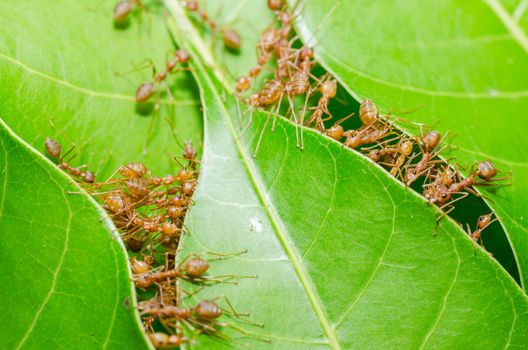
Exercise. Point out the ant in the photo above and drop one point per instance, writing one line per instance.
(483, 222)
(393, 157)
(147, 89)
(123, 9)
(336, 131)
(54, 150)
(366, 136)
(230, 37)
(162, 340)
(202, 318)
(445, 186)
(429, 148)
(328, 91)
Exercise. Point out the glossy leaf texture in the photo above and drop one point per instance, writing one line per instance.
(65, 282)
(460, 65)
(61, 61)
(344, 255)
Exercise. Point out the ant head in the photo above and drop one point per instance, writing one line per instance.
(445, 196)
(484, 221)
(182, 56)
(89, 177)
(189, 152)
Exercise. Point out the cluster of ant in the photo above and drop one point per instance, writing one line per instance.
(407, 158)
(149, 213)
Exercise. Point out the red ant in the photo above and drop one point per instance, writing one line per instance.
(147, 89)
(483, 222)
(54, 150)
(429, 148)
(230, 37)
(162, 340)
(124, 8)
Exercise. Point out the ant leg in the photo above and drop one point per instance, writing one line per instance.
(239, 112)
(231, 308)
(248, 334)
(146, 63)
(296, 119)
(277, 110)
(248, 123)
(261, 134)
(157, 109)
(222, 256)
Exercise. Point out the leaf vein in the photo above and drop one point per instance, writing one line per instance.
(380, 259)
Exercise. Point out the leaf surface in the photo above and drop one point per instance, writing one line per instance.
(344, 254)
(65, 282)
(461, 65)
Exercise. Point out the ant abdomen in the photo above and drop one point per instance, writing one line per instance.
(133, 170)
(169, 229)
(144, 92)
(53, 148)
(138, 187)
(271, 92)
(207, 310)
(486, 170)
(368, 112)
(336, 132)
(242, 84)
(196, 267)
(122, 10)
(231, 39)
(275, 5)
(175, 212)
(139, 266)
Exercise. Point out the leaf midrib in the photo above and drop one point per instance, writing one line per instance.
(513, 27)
(259, 187)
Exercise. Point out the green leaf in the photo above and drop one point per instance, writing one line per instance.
(344, 254)
(65, 282)
(59, 59)
(462, 63)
